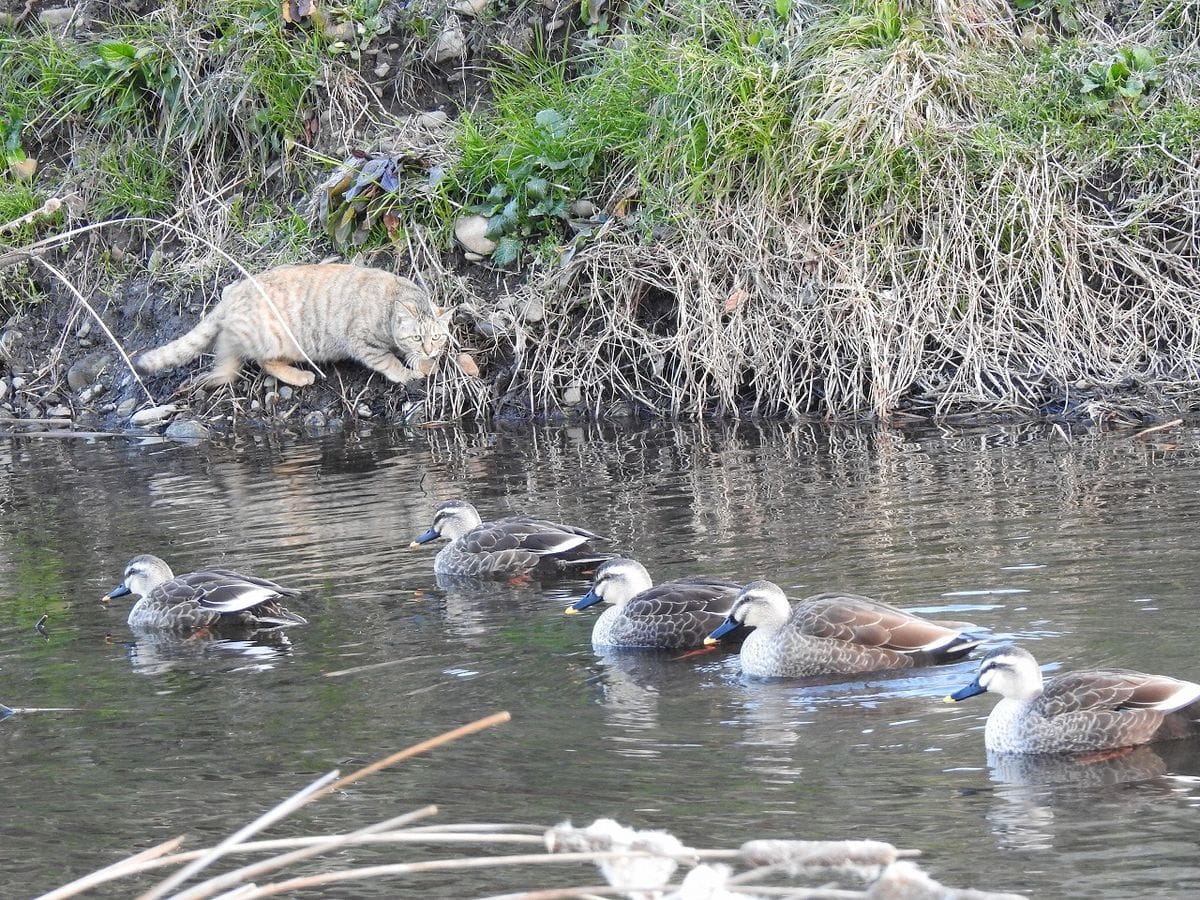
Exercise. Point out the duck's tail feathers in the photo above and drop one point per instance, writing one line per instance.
(957, 647)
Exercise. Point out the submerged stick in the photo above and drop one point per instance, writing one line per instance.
(117, 870)
(284, 809)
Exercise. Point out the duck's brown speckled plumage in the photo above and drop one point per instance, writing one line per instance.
(1079, 711)
(836, 634)
(205, 599)
(507, 547)
(674, 615)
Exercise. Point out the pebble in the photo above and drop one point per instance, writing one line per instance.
(153, 415)
(56, 17)
(59, 412)
(471, 232)
(435, 118)
(90, 393)
(340, 31)
(255, 406)
(270, 400)
(381, 69)
(187, 430)
(18, 382)
(473, 8)
(363, 411)
(125, 410)
(85, 370)
(572, 396)
(85, 329)
(314, 421)
(533, 310)
(583, 209)
(451, 43)
(286, 392)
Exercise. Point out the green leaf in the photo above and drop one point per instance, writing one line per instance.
(1140, 58)
(537, 188)
(116, 52)
(508, 249)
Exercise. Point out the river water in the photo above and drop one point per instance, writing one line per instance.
(1083, 549)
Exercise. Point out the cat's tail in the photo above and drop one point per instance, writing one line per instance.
(182, 349)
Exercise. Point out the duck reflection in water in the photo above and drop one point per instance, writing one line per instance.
(154, 651)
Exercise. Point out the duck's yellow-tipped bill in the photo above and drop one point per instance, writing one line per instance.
(106, 599)
(571, 611)
(948, 699)
(414, 545)
(710, 641)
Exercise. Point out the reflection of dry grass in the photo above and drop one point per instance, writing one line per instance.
(635, 864)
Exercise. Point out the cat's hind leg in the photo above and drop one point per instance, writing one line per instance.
(288, 374)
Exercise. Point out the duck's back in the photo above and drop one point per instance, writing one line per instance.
(213, 597)
(674, 615)
(514, 546)
(1090, 710)
(845, 634)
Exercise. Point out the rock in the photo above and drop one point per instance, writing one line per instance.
(381, 69)
(255, 406)
(56, 17)
(315, 421)
(473, 257)
(472, 8)
(90, 393)
(270, 400)
(187, 430)
(583, 209)
(152, 415)
(18, 382)
(286, 392)
(85, 329)
(59, 412)
(363, 411)
(270, 382)
(340, 31)
(532, 310)
(572, 396)
(85, 370)
(471, 232)
(451, 43)
(125, 410)
(435, 118)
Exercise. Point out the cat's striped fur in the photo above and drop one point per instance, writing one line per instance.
(318, 313)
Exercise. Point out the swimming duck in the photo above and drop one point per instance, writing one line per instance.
(833, 634)
(1079, 711)
(211, 597)
(505, 548)
(675, 615)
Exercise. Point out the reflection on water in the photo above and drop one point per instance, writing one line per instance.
(1085, 547)
(155, 652)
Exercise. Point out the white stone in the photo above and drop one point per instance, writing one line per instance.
(473, 8)
(435, 118)
(451, 43)
(382, 69)
(59, 412)
(471, 232)
(152, 415)
(572, 396)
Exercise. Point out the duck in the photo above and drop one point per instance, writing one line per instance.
(833, 634)
(514, 547)
(675, 615)
(1076, 712)
(206, 599)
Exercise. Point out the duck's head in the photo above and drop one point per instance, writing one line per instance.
(616, 581)
(1009, 671)
(760, 604)
(142, 575)
(451, 520)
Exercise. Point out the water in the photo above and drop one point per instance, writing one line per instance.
(1084, 551)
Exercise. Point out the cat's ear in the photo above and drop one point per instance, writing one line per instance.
(411, 307)
(443, 312)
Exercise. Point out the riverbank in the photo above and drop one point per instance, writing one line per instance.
(962, 211)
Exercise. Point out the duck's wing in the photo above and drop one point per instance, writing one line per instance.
(253, 579)
(536, 536)
(1116, 691)
(228, 593)
(871, 623)
(700, 596)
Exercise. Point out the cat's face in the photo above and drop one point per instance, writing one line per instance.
(421, 339)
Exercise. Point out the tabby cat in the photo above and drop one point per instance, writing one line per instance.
(331, 311)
